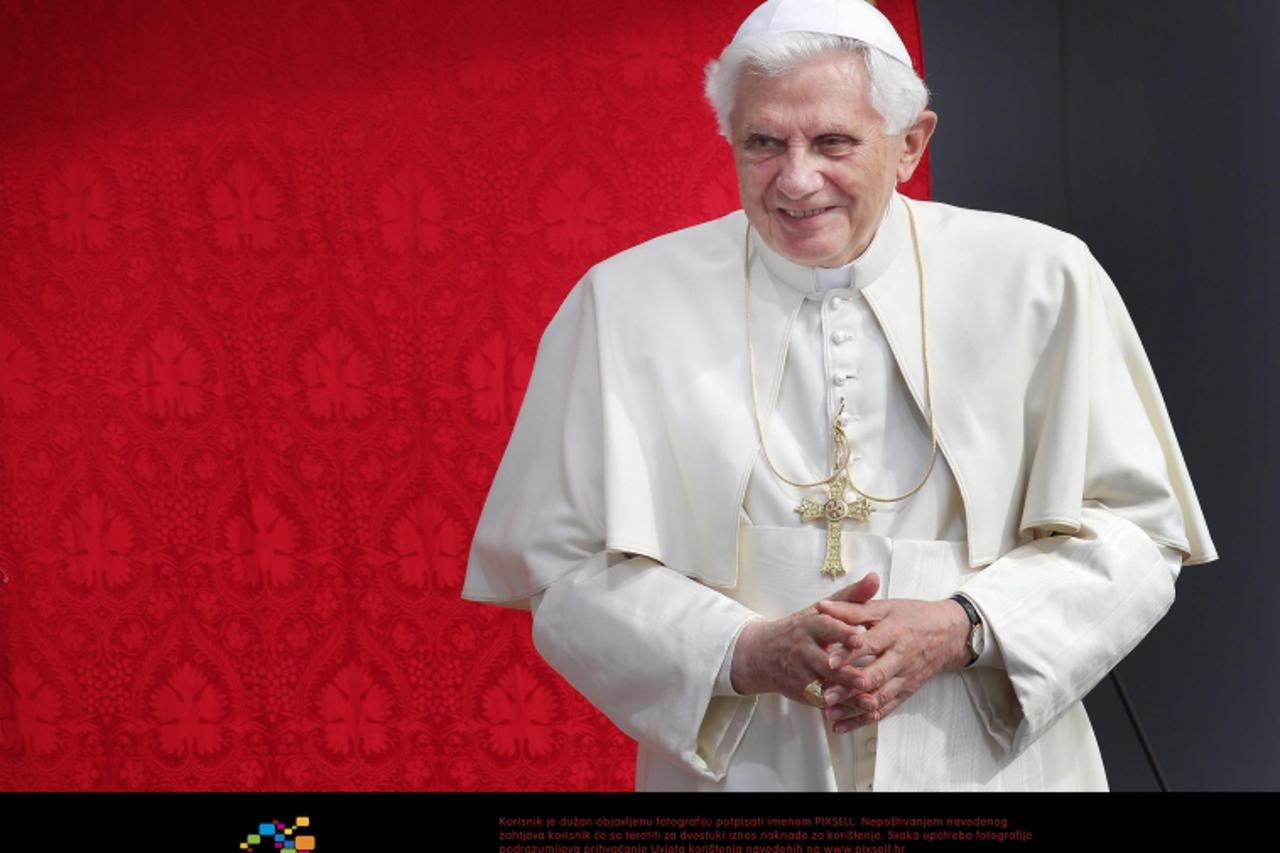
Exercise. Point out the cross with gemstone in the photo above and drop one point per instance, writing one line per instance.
(835, 511)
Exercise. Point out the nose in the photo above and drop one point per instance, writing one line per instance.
(800, 175)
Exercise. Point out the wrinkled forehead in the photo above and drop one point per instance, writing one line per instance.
(825, 91)
(847, 63)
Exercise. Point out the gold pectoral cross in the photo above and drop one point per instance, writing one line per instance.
(835, 511)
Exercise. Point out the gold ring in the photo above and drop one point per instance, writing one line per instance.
(813, 693)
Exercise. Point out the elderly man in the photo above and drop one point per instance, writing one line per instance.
(728, 424)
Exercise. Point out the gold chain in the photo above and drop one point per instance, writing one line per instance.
(840, 441)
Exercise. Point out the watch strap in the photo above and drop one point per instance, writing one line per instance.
(975, 623)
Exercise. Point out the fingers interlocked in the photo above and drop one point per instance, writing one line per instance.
(906, 643)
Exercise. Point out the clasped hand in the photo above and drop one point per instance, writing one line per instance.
(872, 655)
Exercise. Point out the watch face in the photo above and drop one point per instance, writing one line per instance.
(977, 640)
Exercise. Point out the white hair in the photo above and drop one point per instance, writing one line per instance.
(896, 92)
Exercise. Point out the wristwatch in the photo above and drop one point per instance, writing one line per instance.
(977, 631)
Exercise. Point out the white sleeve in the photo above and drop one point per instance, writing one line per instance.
(1066, 610)
(724, 681)
(645, 645)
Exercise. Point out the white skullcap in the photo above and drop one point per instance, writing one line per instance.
(852, 18)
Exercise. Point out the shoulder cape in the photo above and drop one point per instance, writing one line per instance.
(637, 436)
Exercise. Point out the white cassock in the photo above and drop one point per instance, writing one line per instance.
(1067, 524)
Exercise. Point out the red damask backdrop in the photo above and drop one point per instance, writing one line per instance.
(272, 275)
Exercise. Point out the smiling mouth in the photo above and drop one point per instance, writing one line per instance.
(804, 214)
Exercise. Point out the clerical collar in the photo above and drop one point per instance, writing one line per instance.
(890, 238)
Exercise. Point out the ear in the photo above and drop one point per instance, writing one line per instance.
(914, 143)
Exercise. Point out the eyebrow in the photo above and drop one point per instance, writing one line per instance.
(750, 133)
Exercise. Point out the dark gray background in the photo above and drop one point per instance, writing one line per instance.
(1150, 130)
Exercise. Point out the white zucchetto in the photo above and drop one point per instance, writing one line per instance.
(851, 18)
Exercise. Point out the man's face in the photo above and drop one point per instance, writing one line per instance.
(815, 169)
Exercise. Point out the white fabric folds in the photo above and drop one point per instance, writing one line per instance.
(637, 435)
(618, 510)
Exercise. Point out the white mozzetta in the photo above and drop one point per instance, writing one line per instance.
(637, 438)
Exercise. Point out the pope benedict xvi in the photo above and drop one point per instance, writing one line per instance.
(841, 491)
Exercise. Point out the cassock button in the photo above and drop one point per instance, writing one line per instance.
(843, 419)
(838, 379)
(870, 744)
(840, 337)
